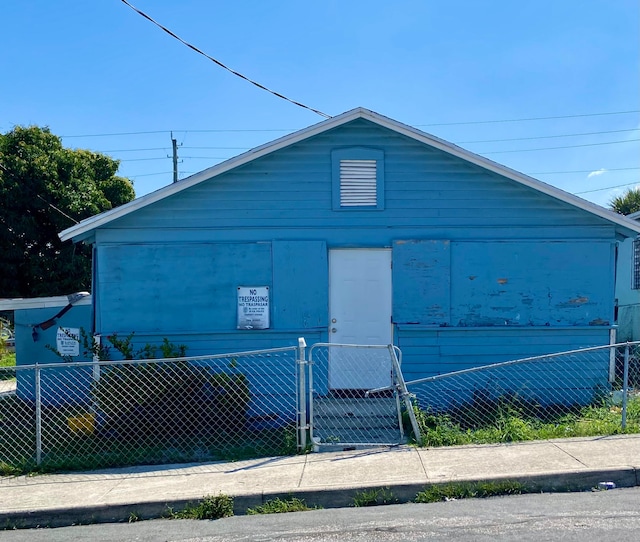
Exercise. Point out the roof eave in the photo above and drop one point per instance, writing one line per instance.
(80, 231)
(75, 232)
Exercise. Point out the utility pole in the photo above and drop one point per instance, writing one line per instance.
(174, 144)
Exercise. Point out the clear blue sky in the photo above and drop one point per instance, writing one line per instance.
(97, 67)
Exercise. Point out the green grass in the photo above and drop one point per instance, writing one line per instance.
(447, 492)
(280, 506)
(509, 425)
(374, 497)
(211, 507)
(7, 359)
(64, 450)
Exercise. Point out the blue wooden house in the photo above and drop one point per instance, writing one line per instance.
(359, 229)
(628, 287)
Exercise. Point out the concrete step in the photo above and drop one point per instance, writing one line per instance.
(339, 422)
(356, 422)
(378, 406)
(339, 437)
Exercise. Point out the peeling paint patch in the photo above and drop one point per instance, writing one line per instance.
(599, 322)
(574, 302)
(503, 281)
(473, 277)
(485, 321)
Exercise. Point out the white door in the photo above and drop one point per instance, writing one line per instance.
(359, 313)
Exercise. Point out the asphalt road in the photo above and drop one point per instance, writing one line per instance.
(603, 515)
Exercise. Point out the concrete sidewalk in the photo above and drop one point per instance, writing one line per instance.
(325, 479)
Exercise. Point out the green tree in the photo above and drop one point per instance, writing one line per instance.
(627, 203)
(44, 189)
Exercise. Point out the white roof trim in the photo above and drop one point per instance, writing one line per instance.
(634, 216)
(40, 302)
(80, 230)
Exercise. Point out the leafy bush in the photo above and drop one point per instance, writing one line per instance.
(7, 359)
(170, 399)
(138, 401)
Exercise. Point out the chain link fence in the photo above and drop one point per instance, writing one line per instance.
(357, 396)
(593, 391)
(75, 416)
(79, 416)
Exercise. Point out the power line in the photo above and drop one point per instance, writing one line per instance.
(142, 159)
(208, 157)
(530, 118)
(151, 174)
(556, 136)
(114, 134)
(548, 137)
(606, 188)
(605, 170)
(481, 153)
(168, 158)
(139, 150)
(194, 48)
(563, 147)
(217, 148)
(119, 134)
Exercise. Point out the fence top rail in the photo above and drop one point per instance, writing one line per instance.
(339, 345)
(107, 363)
(521, 360)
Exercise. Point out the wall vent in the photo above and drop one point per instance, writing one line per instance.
(358, 187)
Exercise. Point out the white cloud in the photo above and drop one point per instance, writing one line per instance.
(596, 173)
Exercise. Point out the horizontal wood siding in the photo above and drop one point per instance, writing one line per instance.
(232, 341)
(341, 237)
(291, 190)
(428, 352)
(500, 270)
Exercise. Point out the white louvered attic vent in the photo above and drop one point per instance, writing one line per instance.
(358, 186)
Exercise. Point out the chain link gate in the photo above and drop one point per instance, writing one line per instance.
(344, 414)
(88, 415)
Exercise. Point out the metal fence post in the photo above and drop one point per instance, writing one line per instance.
(97, 340)
(612, 356)
(38, 416)
(406, 396)
(625, 386)
(302, 394)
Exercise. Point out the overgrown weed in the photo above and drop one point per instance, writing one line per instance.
(453, 491)
(281, 506)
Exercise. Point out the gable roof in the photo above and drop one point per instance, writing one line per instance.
(85, 228)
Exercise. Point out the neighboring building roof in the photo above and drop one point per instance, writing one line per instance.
(634, 216)
(42, 302)
(83, 229)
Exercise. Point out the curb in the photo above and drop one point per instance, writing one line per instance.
(325, 498)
